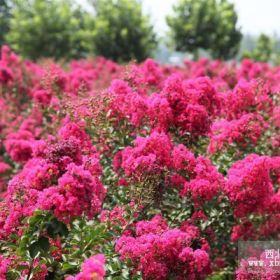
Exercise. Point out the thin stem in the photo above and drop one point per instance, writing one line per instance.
(30, 270)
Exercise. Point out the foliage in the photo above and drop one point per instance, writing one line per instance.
(263, 50)
(121, 31)
(4, 19)
(208, 25)
(51, 29)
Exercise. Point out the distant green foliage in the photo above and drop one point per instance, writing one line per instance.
(121, 31)
(205, 24)
(4, 19)
(263, 51)
(48, 28)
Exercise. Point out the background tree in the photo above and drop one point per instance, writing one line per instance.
(5, 7)
(121, 30)
(227, 36)
(205, 24)
(48, 28)
(263, 51)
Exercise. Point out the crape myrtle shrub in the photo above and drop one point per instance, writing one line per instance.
(140, 171)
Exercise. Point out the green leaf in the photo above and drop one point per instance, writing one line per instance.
(34, 249)
(55, 227)
(41, 246)
(44, 243)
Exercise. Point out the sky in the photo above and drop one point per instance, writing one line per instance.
(254, 16)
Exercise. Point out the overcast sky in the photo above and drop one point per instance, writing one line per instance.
(255, 16)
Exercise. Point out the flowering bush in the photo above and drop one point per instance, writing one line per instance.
(142, 171)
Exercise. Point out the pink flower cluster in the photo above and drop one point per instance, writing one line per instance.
(92, 269)
(149, 155)
(160, 252)
(186, 105)
(156, 154)
(252, 185)
(246, 97)
(192, 103)
(4, 263)
(249, 185)
(62, 176)
(244, 132)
